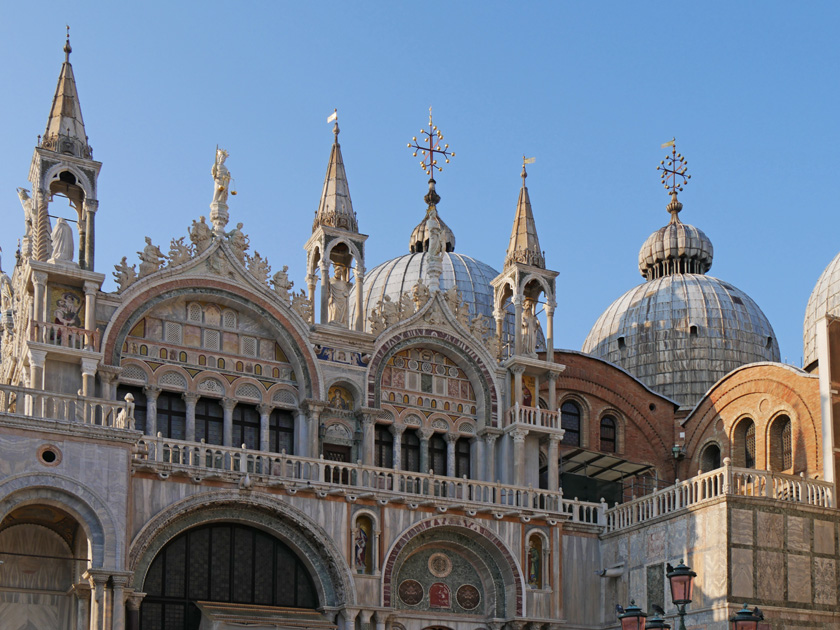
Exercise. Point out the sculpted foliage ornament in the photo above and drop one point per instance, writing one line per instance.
(301, 305)
(124, 275)
(179, 252)
(259, 267)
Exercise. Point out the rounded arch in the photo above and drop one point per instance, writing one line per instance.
(619, 425)
(742, 441)
(584, 416)
(93, 514)
(354, 388)
(172, 383)
(710, 456)
(289, 328)
(310, 542)
(212, 386)
(478, 373)
(353, 250)
(82, 180)
(135, 372)
(778, 440)
(543, 282)
(248, 390)
(502, 562)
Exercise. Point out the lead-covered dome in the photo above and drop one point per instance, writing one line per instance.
(681, 331)
(824, 300)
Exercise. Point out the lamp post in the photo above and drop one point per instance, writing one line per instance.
(681, 578)
(657, 623)
(632, 617)
(746, 619)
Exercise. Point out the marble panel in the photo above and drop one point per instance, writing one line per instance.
(798, 534)
(825, 581)
(742, 527)
(656, 541)
(771, 530)
(637, 549)
(771, 565)
(742, 573)
(677, 538)
(714, 573)
(655, 587)
(637, 586)
(823, 537)
(799, 578)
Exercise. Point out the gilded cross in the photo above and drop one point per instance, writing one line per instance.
(674, 172)
(430, 149)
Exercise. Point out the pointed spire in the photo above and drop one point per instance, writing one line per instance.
(524, 244)
(65, 131)
(336, 209)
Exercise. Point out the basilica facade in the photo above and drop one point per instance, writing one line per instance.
(396, 448)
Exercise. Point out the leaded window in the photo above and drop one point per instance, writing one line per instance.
(246, 426)
(171, 416)
(570, 421)
(608, 426)
(462, 458)
(281, 432)
(437, 454)
(209, 421)
(410, 456)
(383, 446)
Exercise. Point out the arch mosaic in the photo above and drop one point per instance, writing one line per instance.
(312, 544)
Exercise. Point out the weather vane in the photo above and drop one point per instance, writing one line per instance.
(430, 148)
(673, 169)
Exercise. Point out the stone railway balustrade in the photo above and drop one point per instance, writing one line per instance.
(725, 481)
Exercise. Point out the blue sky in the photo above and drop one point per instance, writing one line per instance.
(750, 90)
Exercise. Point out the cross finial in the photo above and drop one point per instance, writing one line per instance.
(429, 147)
(674, 172)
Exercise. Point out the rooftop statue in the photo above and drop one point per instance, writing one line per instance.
(221, 177)
(62, 242)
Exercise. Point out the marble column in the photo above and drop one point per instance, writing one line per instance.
(82, 592)
(190, 398)
(228, 405)
(91, 289)
(152, 392)
(499, 316)
(118, 583)
(359, 273)
(37, 360)
(89, 376)
(552, 390)
(42, 225)
(397, 431)
(39, 306)
(349, 617)
(108, 375)
(451, 439)
(518, 371)
(325, 292)
(311, 282)
(553, 461)
(425, 434)
(518, 436)
(91, 206)
(314, 420)
(379, 619)
(490, 457)
(265, 434)
(368, 444)
(97, 578)
(133, 615)
(549, 332)
(517, 323)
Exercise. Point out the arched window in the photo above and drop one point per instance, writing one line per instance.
(608, 434)
(710, 458)
(749, 446)
(222, 563)
(781, 447)
(535, 561)
(410, 456)
(570, 422)
(171, 416)
(363, 545)
(383, 446)
(281, 432)
(462, 458)
(437, 454)
(246, 426)
(209, 421)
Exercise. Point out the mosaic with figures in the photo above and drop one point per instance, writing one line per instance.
(428, 380)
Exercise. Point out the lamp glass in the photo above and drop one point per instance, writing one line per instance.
(633, 622)
(744, 624)
(681, 588)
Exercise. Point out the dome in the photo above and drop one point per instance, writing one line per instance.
(675, 248)
(681, 333)
(824, 300)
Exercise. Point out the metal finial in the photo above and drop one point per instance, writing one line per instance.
(67, 48)
(674, 172)
(526, 160)
(430, 148)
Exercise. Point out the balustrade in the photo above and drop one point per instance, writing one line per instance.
(80, 409)
(64, 336)
(533, 417)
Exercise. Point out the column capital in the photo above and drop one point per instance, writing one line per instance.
(108, 372)
(96, 577)
(517, 369)
(121, 578)
(89, 366)
(91, 205)
(152, 391)
(397, 429)
(134, 599)
(190, 397)
(265, 409)
(359, 271)
(555, 438)
(313, 407)
(81, 590)
(490, 438)
(37, 358)
(426, 434)
(229, 403)
(519, 435)
(451, 438)
(553, 375)
(91, 288)
(39, 278)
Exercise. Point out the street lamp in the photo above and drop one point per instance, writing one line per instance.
(681, 578)
(632, 618)
(746, 619)
(657, 623)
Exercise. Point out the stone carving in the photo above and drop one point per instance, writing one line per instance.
(440, 565)
(439, 596)
(239, 242)
(406, 305)
(468, 597)
(530, 326)
(282, 284)
(390, 311)
(377, 324)
(453, 299)
(221, 177)
(301, 305)
(493, 345)
(360, 549)
(420, 294)
(410, 592)
(62, 242)
(479, 327)
(179, 252)
(534, 561)
(463, 316)
(151, 258)
(218, 264)
(201, 235)
(339, 295)
(124, 275)
(259, 267)
(29, 220)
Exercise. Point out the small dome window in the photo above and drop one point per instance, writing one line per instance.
(692, 330)
(621, 343)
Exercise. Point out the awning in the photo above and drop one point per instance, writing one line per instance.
(601, 466)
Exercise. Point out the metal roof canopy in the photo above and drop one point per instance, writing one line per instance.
(600, 466)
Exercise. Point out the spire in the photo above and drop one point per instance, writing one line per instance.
(524, 244)
(65, 131)
(336, 209)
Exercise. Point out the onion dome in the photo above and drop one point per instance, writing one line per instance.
(419, 241)
(675, 248)
(681, 331)
(824, 301)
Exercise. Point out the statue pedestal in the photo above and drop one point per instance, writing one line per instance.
(219, 217)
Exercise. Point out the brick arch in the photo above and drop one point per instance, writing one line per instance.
(506, 563)
(129, 313)
(483, 380)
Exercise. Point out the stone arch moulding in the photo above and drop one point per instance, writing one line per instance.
(346, 383)
(313, 545)
(548, 291)
(92, 513)
(81, 178)
(293, 337)
(506, 562)
(354, 251)
(478, 372)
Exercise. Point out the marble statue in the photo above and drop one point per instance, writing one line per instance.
(530, 326)
(7, 294)
(221, 177)
(463, 316)
(124, 275)
(151, 258)
(281, 282)
(420, 294)
(339, 296)
(390, 311)
(453, 300)
(478, 327)
(62, 242)
(179, 252)
(239, 242)
(437, 247)
(201, 235)
(493, 345)
(377, 323)
(29, 220)
(406, 306)
(360, 548)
